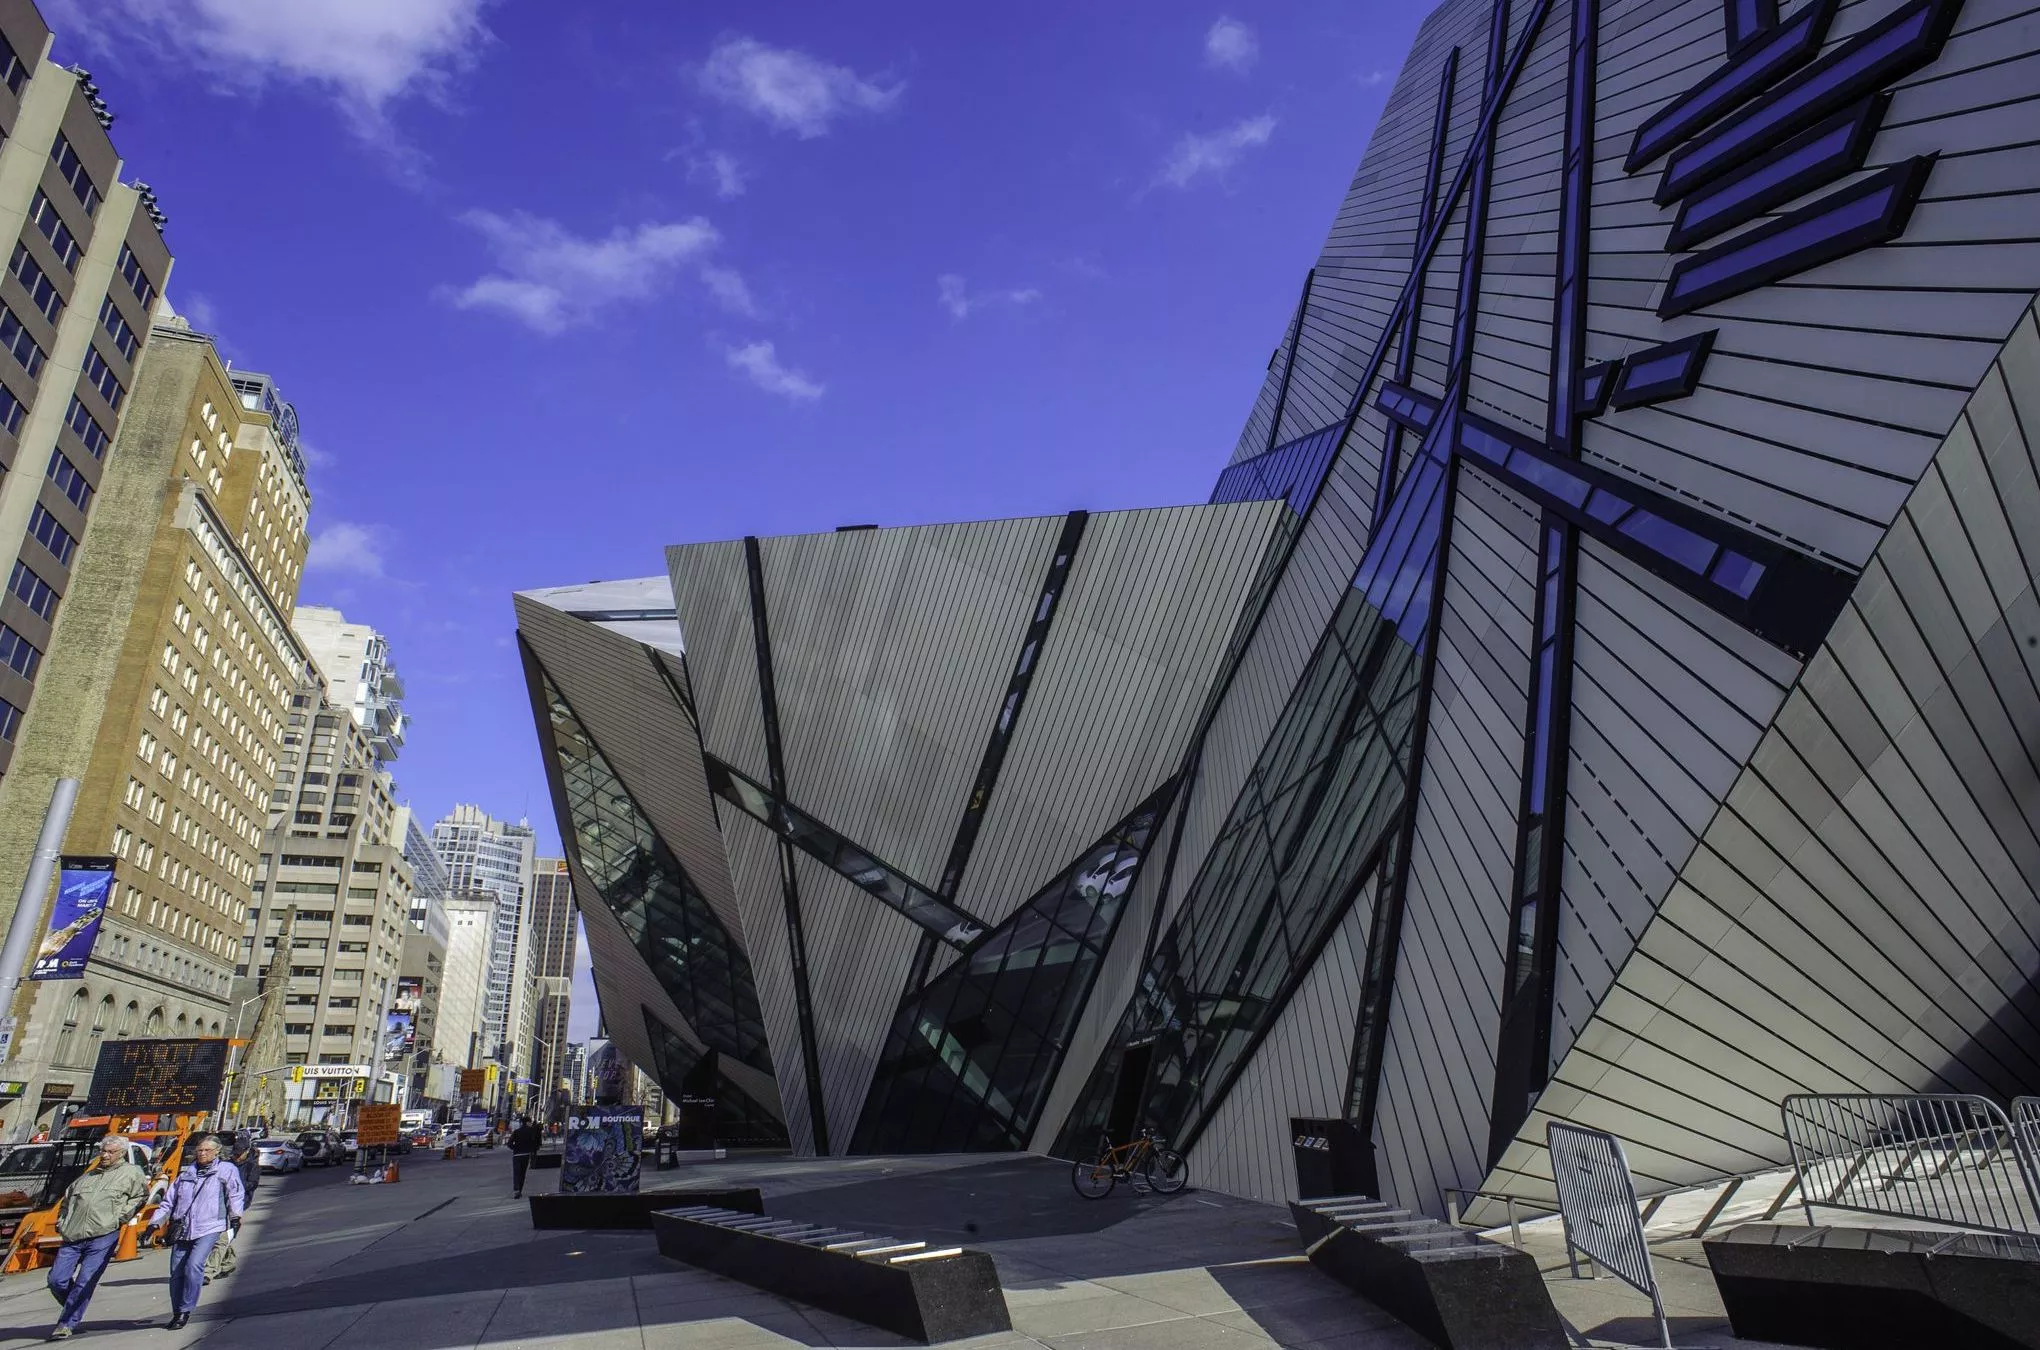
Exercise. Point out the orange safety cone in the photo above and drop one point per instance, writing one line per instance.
(389, 1172)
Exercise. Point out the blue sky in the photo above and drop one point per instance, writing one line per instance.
(555, 286)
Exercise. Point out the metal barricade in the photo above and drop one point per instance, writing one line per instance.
(1945, 1158)
(1597, 1204)
(2025, 1113)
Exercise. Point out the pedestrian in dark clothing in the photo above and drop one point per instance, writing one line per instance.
(94, 1210)
(524, 1142)
(204, 1202)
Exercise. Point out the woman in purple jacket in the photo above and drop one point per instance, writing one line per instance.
(204, 1202)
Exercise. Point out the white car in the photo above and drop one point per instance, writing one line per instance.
(279, 1155)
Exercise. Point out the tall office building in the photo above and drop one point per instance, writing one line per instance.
(333, 905)
(86, 265)
(552, 927)
(165, 676)
(1630, 721)
(360, 676)
(463, 1032)
(483, 854)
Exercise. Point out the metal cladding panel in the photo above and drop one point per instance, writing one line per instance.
(712, 595)
(754, 867)
(1669, 700)
(1861, 916)
(859, 954)
(892, 650)
(644, 734)
(1152, 598)
(1433, 1123)
(1300, 1070)
(1826, 393)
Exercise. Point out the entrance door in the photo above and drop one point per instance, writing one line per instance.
(1130, 1092)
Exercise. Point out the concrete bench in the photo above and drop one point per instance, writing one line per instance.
(635, 1211)
(926, 1293)
(1872, 1288)
(1455, 1288)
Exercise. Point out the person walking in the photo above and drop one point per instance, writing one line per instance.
(205, 1201)
(524, 1142)
(95, 1208)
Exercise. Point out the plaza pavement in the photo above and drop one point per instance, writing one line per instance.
(446, 1258)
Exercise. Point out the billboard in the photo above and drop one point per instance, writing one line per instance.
(139, 1077)
(399, 1034)
(603, 1148)
(84, 886)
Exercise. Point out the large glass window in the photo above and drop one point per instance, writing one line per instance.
(685, 1072)
(971, 1054)
(689, 951)
(1291, 472)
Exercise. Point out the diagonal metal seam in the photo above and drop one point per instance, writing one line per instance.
(789, 884)
(1289, 364)
(1530, 938)
(1377, 992)
(1406, 358)
(843, 855)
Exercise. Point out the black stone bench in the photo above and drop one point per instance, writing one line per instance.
(1455, 1288)
(1869, 1288)
(912, 1289)
(635, 1211)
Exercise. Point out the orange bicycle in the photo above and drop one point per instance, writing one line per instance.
(1162, 1169)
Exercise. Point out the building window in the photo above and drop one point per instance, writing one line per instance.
(117, 327)
(17, 339)
(101, 377)
(87, 426)
(19, 653)
(10, 719)
(99, 1020)
(33, 591)
(69, 481)
(12, 73)
(44, 528)
(72, 170)
(11, 411)
(74, 1011)
(43, 212)
(137, 280)
(42, 292)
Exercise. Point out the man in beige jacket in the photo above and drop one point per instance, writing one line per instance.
(108, 1194)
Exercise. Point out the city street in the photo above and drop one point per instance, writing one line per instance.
(445, 1258)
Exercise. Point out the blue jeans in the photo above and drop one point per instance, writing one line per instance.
(76, 1274)
(187, 1271)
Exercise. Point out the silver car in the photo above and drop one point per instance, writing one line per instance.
(279, 1155)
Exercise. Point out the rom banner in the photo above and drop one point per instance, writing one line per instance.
(84, 885)
(604, 1145)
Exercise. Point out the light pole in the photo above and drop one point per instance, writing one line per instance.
(226, 1095)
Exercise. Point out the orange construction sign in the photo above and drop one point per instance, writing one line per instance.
(376, 1127)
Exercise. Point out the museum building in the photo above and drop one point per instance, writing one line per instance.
(1603, 686)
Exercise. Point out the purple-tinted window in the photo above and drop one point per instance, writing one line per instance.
(1737, 573)
(1674, 542)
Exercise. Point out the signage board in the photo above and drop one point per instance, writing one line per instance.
(300, 1072)
(474, 1080)
(603, 1150)
(377, 1125)
(474, 1125)
(136, 1077)
(84, 885)
(10, 1088)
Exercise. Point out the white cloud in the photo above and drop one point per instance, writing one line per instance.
(346, 547)
(1371, 78)
(366, 53)
(790, 89)
(1231, 45)
(720, 170)
(957, 297)
(551, 279)
(759, 361)
(726, 286)
(1196, 157)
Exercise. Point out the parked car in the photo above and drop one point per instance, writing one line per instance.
(321, 1147)
(350, 1145)
(279, 1155)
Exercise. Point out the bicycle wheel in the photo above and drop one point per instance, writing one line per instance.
(1094, 1177)
(1166, 1170)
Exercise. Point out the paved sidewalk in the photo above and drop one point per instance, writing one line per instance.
(446, 1258)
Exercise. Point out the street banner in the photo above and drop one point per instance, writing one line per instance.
(84, 885)
(603, 1148)
(474, 1125)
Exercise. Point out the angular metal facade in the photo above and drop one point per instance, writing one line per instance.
(1625, 708)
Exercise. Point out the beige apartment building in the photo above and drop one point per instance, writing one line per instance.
(332, 911)
(164, 686)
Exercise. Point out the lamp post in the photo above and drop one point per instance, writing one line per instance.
(226, 1094)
